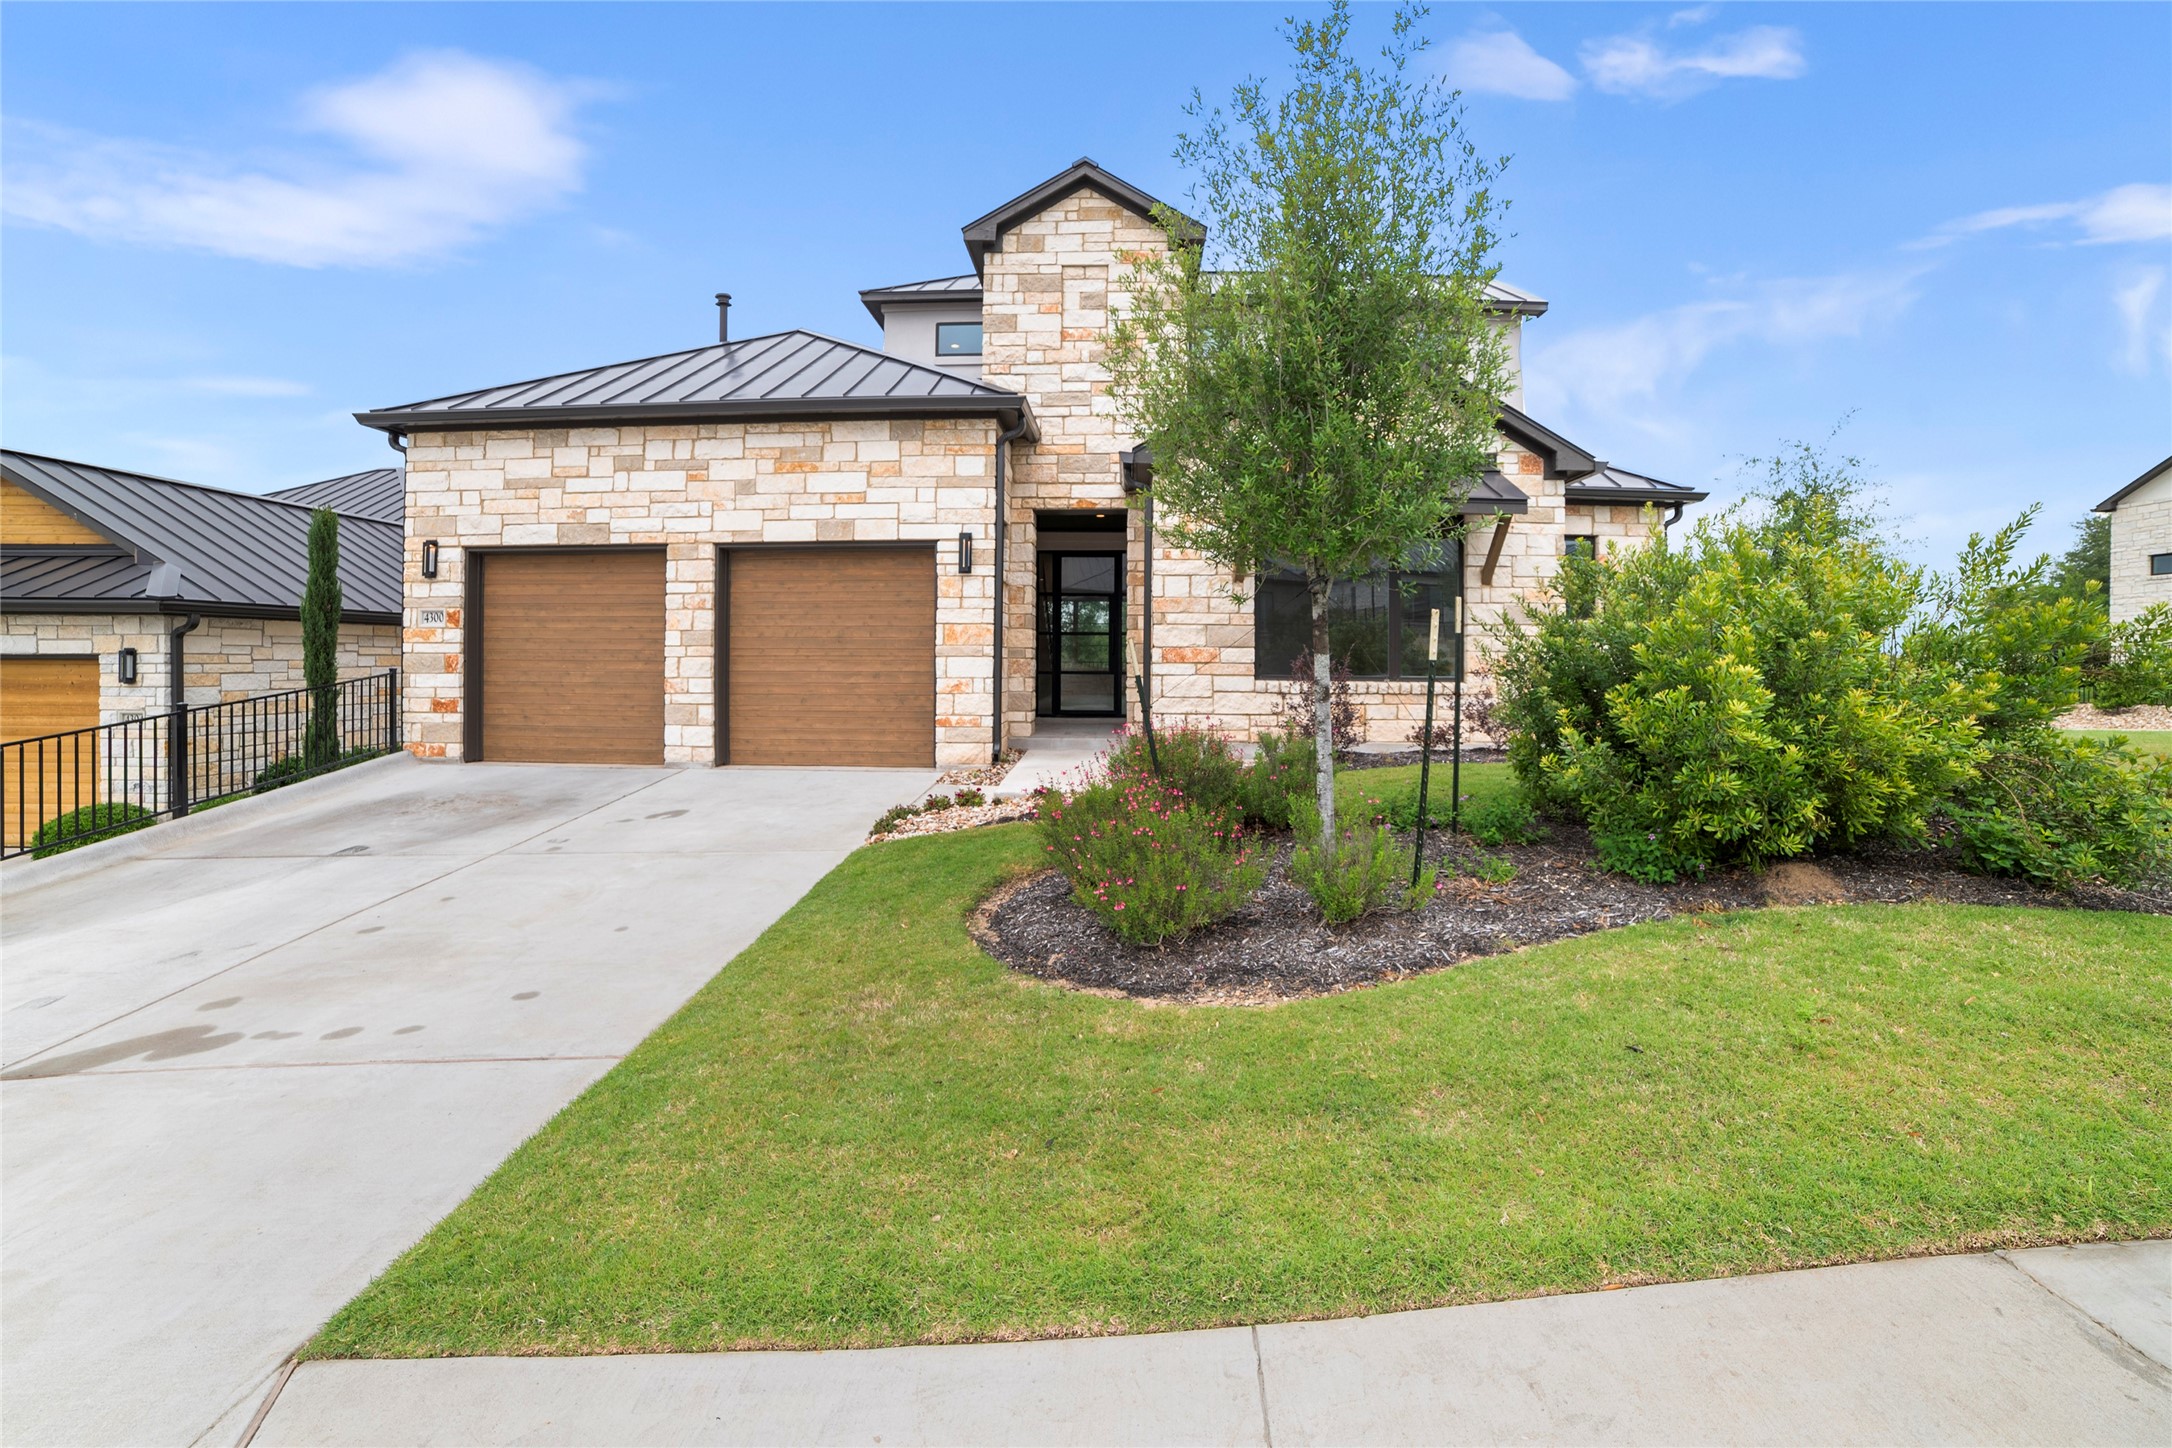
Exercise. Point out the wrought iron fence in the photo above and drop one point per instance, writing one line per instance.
(64, 789)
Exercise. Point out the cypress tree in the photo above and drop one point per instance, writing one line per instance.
(320, 640)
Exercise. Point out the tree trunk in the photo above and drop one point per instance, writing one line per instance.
(1323, 707)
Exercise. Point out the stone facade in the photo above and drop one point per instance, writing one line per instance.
(224, 658)
(693, 488)
(2141, 527)
(1049, 292)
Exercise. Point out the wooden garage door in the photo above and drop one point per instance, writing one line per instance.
(573, 657)
(830, 656)
(40, 697)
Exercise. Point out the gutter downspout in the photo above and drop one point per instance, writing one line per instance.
(1003, 442)
(392, 440)
(177, 704)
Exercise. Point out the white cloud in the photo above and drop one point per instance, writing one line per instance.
(423, 158)
(2145, 328)
(1639, 65)
(1501, 62)
(2139, 211)
(1619, 371)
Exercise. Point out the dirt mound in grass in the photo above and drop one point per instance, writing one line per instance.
(1276, 949)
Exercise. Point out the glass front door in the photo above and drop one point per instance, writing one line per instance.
(1081, 615)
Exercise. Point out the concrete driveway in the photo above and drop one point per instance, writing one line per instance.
(248, 1059)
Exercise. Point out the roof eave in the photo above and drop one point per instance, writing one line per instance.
(160, 604)
(1008, 409)
(1564, 459)
(2112, 503)
(984, 234)
(1632, 497)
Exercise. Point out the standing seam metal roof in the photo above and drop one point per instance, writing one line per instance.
(375, 493)
(197, 545)
(791, 371)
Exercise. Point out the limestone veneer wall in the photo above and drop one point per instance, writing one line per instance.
(691, 488)
(2141, 526)
(1048, 295)
(224, 658)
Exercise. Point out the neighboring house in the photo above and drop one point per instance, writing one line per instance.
(2141, 515)
(379, 493)
(95, 563)
(783, 549)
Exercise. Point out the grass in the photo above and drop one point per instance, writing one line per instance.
(2152, 741)
(867, 1132)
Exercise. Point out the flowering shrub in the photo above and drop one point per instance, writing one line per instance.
(1147, 859)
(1197, 762)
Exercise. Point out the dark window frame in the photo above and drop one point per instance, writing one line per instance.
(1270, 666)
(2160, 564)
(981, 339)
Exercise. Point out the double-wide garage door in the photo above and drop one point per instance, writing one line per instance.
(826, 656)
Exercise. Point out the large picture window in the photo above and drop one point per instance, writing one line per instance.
(1376, 626)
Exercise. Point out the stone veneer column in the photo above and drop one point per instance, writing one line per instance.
(1049, 292)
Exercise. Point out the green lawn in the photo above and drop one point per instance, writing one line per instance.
(2154, 741)
(867, 1132)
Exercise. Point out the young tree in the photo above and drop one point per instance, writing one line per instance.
(1324, 396)
(2088, 561)
(320, 640)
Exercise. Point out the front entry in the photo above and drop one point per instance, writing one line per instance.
(1081, 623)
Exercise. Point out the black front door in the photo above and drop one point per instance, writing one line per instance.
(1081, 615)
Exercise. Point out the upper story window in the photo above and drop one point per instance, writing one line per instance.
(2160, 563)
(1582, 545)
(957, 339)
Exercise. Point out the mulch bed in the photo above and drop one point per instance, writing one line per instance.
(1277, 949)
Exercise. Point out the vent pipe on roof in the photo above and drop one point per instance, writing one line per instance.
(723, 316)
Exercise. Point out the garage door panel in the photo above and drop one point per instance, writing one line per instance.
(573, 657)
(831, 656)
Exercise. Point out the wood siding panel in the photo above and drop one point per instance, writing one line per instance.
(28, 519)
(831, 656)
(39, 697)
(573, 657)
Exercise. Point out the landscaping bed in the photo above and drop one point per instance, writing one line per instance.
(864, 1131)
(1275, 948)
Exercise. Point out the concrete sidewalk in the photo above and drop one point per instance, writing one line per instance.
(2062, 1345)
(250, 1058)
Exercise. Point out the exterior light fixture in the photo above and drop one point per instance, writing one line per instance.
(429, 558)
(965, 550)
(125, 666)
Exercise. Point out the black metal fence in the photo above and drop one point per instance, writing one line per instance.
(62, 789)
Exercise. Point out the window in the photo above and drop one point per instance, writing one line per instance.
(1376, 626)
(957, 339)
(1583, 544)
(2160, 563)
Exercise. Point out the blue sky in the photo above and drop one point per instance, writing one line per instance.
(229, 227)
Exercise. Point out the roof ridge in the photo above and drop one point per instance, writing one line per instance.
(974, 277)
(913, 366)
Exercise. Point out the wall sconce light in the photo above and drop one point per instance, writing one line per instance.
(429, 558)
(125, 666)
(965, 550)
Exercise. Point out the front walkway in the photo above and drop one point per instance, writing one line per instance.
(250, 1058)
(2056, 1345)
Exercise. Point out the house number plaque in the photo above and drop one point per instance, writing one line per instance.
(430, 618)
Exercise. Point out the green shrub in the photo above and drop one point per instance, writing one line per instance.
(290, 768)
(1493, 869)
(1740, 698)
(1198, 762)
(971, 798)
(1148, 860)
(2138, 667)
(1361, 871)
(1504, 819)
(891, 818)
(92, 822)
(935, 802)
(1281, 772)
(2062, 809)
